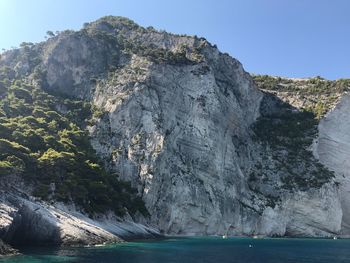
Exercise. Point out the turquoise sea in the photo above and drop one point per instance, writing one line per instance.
(198, 250)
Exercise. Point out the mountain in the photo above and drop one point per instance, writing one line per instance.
(132, 131)
(329, 102)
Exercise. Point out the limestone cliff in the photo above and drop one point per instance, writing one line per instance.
(190, 129)
(26, 220)
(332, 147)
(329, 102)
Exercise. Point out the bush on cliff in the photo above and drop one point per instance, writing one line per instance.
(42, 139)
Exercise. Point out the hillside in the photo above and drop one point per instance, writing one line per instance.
(326, 103)
(125, 123)
(316, 95)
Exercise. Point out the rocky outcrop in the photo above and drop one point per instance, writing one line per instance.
(173, 138)
(182, 134)
(26, 220)
(332, 147)
(327, 101)
(178, 120)
(6, 250)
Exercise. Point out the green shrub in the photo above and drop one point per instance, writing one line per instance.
(5, 168)
(50, 147)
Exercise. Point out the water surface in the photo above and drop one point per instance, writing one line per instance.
(198, 250)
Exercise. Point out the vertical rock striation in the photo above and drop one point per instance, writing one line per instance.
(332, 147)
(176, 119)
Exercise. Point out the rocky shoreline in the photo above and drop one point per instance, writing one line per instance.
(25, 220)
(6, 250)
(188, 128)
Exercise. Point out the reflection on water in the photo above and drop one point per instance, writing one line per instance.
(193, 250)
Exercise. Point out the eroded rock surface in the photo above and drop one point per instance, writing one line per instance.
(26, 220)
(177, 120)
(332, 147)
(6, 250)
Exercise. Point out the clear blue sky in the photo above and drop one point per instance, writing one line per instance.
(295, 38)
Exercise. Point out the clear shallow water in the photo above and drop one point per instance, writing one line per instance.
(198, 250)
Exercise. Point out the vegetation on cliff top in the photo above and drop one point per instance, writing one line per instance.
(289, 131)
(316, 95)
(43, 140)
(42, 135)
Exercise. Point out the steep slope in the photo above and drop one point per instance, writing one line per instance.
(208, 152)
(330, 103)
(25, 220)
(46, 153)
(332, 147)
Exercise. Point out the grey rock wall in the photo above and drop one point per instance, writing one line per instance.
(177, 123)
(332, 147)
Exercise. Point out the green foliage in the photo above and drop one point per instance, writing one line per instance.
(319, 95)
(294, 130)
(3, 88)
(5, 167)
(96, 112)
(115, 21)
(21, 93)
(7, 73)
(50, 33)
(157, 54)
(268, 82)
(289, 133)
(42, 139)
(316, 86)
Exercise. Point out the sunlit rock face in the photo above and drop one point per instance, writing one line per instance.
(333, 150)
(176, 120)
(172, 134)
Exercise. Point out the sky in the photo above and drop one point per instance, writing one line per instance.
(290, 38)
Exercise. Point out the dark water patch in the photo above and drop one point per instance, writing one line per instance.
(197, 250)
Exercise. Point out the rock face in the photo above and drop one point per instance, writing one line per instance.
(6, 250)
(25, 220)
(332, 147)
(178, 122)
(173, 138)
